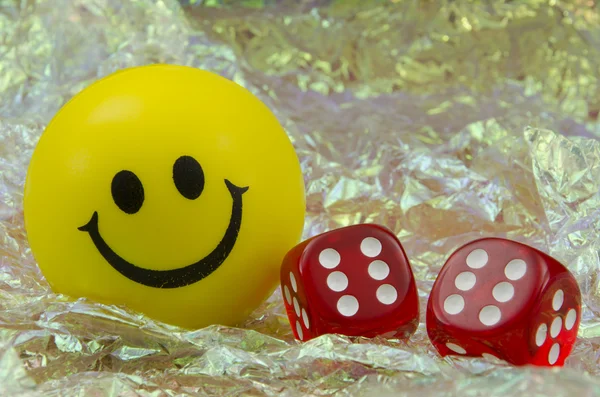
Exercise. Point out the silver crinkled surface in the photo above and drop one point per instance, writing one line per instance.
(445, 121)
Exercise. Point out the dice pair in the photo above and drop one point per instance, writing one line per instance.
(493, 297)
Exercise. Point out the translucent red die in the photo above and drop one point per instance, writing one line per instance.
(354, 281)
(505, 299)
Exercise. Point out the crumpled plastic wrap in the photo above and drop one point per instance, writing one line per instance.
(443, 120)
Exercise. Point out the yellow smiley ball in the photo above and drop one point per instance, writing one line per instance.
(167, 189)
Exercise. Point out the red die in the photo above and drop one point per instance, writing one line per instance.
(354, 281)
(502, 298)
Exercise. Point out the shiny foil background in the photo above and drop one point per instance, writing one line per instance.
(444, 120)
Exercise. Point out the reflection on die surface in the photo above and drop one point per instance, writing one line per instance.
(505, 299)
(354, 281)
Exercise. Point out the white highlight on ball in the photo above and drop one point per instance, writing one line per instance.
(454, 304)
(465, 281)
(477, 259)
(490, 315)
(337, 281)
(378, 270)
(558, 300)
(347, 305)
(370, 247)
(503, 292)
(515, 269)
(329, 258)
(387, 294)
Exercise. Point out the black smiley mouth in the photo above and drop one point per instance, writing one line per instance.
(182, 276)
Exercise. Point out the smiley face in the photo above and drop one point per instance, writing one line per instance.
(167, 189)
(128, 194)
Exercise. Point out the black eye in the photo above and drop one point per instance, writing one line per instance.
(188, 177)
(127, 192)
